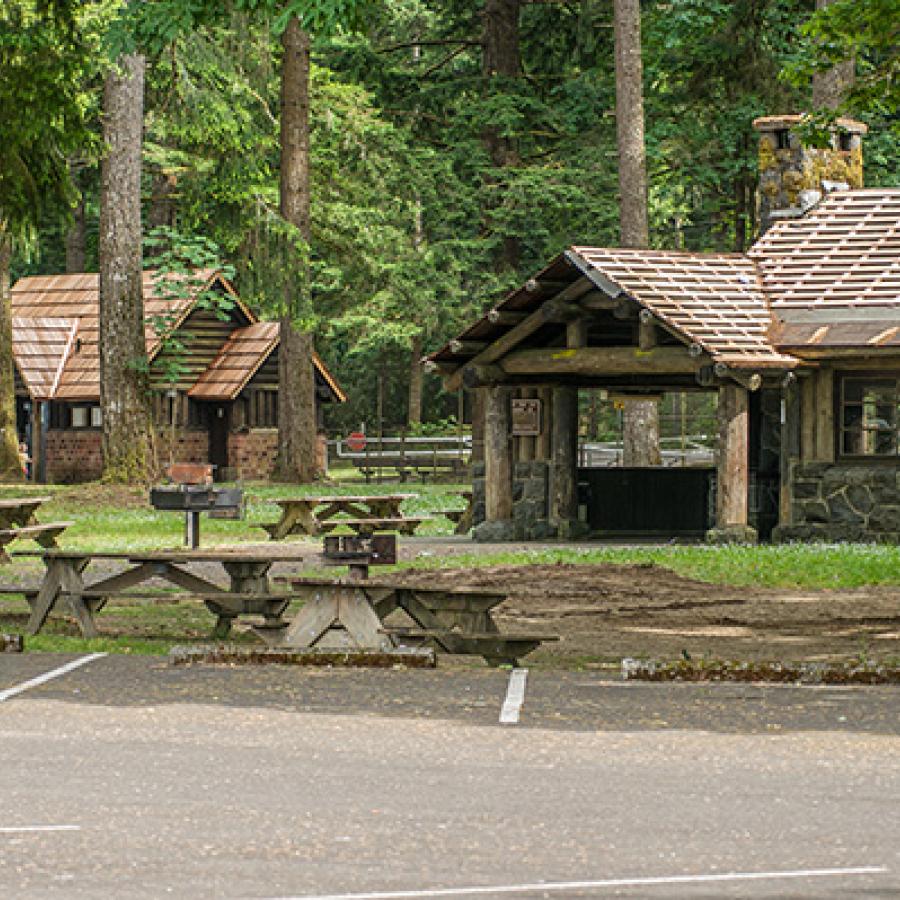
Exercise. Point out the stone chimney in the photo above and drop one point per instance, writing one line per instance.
(794, 177)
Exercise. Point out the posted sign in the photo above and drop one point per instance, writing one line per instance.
(526, 417)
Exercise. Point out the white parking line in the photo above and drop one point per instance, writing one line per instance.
(48, 676)
(22, 829)
(587, 885)
(515, 697)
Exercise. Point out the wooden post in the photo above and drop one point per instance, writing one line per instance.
(790, 448)
(733, 475)
(478, 404)
(542, 443)
(808, 417)
(563, 458)
(824, 415)
(37, 442)
(497, 455)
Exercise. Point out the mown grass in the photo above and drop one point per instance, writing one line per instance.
(778, 566)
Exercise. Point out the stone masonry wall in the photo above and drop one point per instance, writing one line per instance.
(840, 502)
(530, 505)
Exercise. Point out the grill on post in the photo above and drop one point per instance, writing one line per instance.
(193, 494)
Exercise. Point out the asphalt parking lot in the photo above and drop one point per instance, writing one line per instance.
(125, 777)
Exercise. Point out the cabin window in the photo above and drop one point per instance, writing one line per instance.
(845, 141)
(783, 139)
(65, 415)
(869, 415)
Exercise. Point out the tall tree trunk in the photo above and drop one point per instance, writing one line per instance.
(830, 88)
(501, 59)
(10, 464)
(414, 412)
(162, 201)
(640, 417)
(76, 239)
(297, 394)
(124, 389)
(630, 125)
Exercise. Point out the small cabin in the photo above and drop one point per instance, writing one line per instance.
(213, 375)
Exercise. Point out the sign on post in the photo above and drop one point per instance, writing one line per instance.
(526, 417)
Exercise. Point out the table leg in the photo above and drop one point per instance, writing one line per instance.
(192, 529)
(464, 525)
(73, 586)
(295, 518)
(248, 577)
(63, 576)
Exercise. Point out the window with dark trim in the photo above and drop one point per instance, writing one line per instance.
(80, 416)
(869, 412)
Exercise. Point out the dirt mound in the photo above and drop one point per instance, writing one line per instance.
(606, 612)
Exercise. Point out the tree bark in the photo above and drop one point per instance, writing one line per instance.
(124, 389)
(414, 412)
(10, 464)
(630, 125)
(501, 59)
(162, 201)
(641, 417)
(640, 434)
(297, 394)
(830, 88)
(76, 239)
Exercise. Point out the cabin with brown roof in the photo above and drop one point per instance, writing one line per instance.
(213, 373)
(799, 338)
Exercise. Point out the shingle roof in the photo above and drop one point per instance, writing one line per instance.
(830, 278)
(40, 347)
(845, 252)
(77, 297)
(55, 340)
(713, 300)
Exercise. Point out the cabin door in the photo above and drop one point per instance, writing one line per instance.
(219, 425)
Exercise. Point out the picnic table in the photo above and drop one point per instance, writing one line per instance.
(351, 614)
(462, 518)
(319, 514)
(248, 591)
(17, 521)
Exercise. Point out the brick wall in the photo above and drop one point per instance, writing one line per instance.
(251, 454)
(73, 455)
(191, 446)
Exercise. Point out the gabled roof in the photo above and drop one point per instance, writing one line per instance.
(711, 299)
(40, 348)
(845, 252)
(76, 297)
(242, 356)
(56, 333)
(830, 278)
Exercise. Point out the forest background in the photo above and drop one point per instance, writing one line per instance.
(440, 178)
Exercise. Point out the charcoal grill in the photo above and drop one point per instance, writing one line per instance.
(193, 499)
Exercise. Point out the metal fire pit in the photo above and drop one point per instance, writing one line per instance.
(193, 499)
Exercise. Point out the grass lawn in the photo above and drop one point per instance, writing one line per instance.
(119, 519)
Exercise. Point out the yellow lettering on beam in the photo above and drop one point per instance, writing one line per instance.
(564, 354)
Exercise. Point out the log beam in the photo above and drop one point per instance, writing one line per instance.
(601, 361)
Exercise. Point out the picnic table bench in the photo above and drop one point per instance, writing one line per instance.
(338, 614)
(319, 514)
(247, 569)
(17, 522)
(461, 518)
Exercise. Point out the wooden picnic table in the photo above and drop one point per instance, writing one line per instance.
(247, 570)
(318, 514)
(19, 511)
(17, 521)
(462, 518)
(351, 614)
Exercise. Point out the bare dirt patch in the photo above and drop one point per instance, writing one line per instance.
(606, 612)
